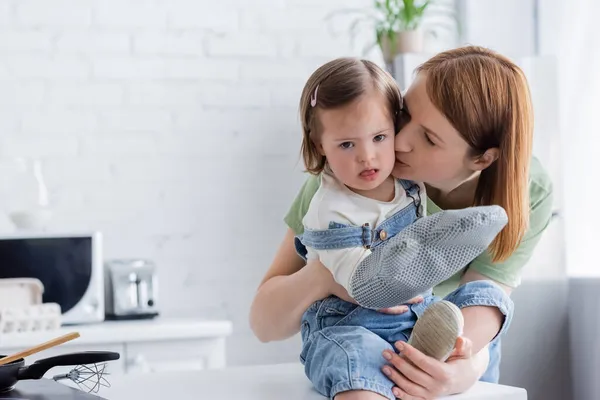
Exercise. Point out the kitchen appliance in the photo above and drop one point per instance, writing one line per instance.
(131, 289)
(69, 266)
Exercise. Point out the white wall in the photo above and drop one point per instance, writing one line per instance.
(171, 126)
(573, 34)
(505, 26)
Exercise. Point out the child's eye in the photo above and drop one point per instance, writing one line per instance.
(379, 138)
(346, 145)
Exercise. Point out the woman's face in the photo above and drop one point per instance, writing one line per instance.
(428, 148)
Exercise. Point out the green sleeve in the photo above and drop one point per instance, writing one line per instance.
(509, 271)
(299, 207)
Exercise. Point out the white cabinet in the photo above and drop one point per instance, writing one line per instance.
(159, 345)
(175, 355)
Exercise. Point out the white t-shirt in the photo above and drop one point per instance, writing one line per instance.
(333, 201)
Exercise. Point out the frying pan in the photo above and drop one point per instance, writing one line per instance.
(15, 371)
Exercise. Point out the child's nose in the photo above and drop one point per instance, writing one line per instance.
(367, 153)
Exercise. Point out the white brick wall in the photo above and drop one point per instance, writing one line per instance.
(172, 127)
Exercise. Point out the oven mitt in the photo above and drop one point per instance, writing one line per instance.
(424, 254)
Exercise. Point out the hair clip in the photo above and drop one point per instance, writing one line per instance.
(313, 99)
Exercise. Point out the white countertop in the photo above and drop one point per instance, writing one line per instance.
(124, 331)
(267, 382)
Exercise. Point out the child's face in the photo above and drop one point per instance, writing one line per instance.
(358, 141)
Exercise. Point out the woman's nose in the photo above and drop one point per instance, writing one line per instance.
(402, 142)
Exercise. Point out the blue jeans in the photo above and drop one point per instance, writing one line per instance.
(492, 374)
(342, 343)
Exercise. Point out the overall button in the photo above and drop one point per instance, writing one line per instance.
(382, 235)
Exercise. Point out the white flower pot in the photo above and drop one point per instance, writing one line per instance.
(406, 42)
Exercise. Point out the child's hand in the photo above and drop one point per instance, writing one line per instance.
(402, 308)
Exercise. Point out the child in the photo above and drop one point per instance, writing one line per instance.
(350, 115)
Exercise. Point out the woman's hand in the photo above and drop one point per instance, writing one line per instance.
(419, 377)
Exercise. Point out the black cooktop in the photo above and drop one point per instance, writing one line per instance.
(45, 389)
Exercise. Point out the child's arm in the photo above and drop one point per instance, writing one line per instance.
(342, 262)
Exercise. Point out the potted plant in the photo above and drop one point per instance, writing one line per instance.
(398, 24)
(398, 28)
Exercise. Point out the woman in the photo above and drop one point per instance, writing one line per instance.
(467, 135)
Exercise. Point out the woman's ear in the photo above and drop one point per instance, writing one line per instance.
(486, 159)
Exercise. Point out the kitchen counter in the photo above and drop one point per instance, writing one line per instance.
(45, 389)
(124, 331)
(157, 345)
(266, 382)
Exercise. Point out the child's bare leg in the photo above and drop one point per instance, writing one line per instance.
(359, 395)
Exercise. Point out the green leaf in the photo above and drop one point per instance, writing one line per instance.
(388, 17)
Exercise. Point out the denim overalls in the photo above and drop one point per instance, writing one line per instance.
(340, 236)
(342, 343)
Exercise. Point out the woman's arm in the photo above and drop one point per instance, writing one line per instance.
(289, 287)
(285, 293)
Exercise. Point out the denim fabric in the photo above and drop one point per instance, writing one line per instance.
(484, 293)
(342, 343)
(492, 373)
(341, 236)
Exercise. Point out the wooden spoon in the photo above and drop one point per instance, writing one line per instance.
(39, 347)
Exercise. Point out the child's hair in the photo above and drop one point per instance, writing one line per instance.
(336, 84)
